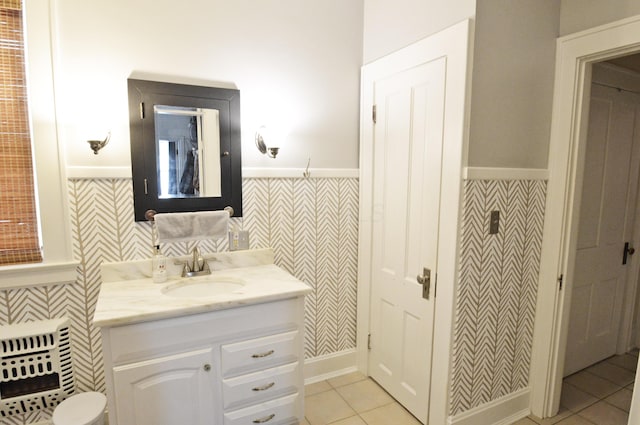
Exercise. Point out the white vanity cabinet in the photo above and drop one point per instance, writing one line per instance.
(237, 366)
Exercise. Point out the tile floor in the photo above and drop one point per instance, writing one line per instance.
(352, 399)
(598, 395)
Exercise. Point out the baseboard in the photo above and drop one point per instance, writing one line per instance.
(328, 366)
(503, 411)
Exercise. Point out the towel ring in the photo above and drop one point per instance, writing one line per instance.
(150, 214)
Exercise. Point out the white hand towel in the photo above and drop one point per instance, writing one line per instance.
(180, 227)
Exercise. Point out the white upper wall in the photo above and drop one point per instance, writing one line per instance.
(578, 15)
(297, 67)
(390, 25)
(296, 64)
(512, 87)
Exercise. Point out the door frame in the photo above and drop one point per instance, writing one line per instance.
(574, 56)
(454, 43)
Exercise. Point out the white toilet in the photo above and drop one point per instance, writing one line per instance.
(81, 409)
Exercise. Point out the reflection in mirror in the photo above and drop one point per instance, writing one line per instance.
(188, 148)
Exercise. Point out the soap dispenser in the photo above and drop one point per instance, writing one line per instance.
(159, 266)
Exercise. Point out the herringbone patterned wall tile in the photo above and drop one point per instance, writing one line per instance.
(347, 262)
(305, 253)
(327, 232)
(255, 196)
(536, 191)
(495, 300)
(512, 251)
(467, 309)
(281, 221)
(312, 224)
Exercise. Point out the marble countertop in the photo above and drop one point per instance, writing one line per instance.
(128, 294)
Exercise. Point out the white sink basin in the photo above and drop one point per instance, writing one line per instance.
(207, 286)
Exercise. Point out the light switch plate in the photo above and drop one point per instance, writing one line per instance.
(494, 224)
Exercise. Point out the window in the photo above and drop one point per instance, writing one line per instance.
(19, 240)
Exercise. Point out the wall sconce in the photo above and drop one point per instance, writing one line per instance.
(261, 135)
(96, 145)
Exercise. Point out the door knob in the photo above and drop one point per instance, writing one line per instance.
(425, 280)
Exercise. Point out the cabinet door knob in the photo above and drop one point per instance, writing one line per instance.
(265, 419)
(207, 367)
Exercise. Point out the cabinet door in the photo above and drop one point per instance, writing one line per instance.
(176, 389)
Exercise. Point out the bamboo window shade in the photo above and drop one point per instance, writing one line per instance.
(19, 239)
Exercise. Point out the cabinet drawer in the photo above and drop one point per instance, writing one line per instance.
(262, 385)
(284, 410)
(139, 341)
(258, 353)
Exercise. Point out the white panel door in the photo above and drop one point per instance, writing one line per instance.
(606, 223)
(408, 139)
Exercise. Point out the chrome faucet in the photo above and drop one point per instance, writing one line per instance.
(197, 266)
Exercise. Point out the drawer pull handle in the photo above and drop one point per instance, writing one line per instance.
(265, 354)
(265, 419)
(264, 387)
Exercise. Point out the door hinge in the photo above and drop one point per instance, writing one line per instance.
(141, 110)
(374, 114)
(146, 187)
(369, 342)
(435, 286)
(560, 281)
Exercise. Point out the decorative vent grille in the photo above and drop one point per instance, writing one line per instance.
(35, 366)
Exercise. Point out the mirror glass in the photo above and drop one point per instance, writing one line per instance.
(188, 146)
(185, 148)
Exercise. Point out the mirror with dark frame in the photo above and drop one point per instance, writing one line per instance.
(185, 147)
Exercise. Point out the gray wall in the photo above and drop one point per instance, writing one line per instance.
(513, 68)
(578, 15)
(512, 88)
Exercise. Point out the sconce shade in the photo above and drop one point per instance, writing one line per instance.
(96, 145)
(262, 145)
